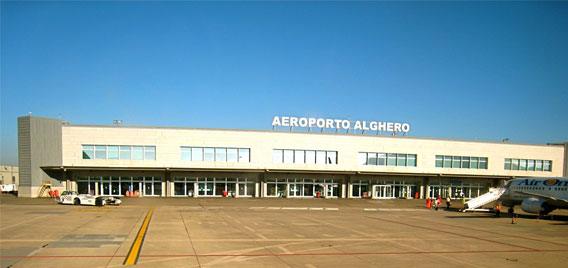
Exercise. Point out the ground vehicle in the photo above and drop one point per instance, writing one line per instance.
(72, 197)
(8, 188)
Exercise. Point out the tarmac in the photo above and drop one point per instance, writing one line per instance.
(249, 232)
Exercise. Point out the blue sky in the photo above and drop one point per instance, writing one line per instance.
(458, 70)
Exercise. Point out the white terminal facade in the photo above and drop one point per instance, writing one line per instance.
(193, 162)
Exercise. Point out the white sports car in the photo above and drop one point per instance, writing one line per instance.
(73, 198)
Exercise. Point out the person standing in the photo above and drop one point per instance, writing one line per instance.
(498, 210)
(448, 202)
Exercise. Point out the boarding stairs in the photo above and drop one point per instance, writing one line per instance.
(491, 196)
(45, 188)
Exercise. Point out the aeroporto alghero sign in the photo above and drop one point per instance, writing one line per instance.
(323, 123)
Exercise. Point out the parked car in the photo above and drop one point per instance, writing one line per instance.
(74, 198)
(8, 188)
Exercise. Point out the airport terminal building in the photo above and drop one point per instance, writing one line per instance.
(193, 162)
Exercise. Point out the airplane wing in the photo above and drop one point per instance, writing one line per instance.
(550, 199)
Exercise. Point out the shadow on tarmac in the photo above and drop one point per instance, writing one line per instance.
(563, 218)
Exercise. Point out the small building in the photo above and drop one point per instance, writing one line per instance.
(195, 162)
(9, 175)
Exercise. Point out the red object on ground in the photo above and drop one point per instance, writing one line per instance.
(127, 193)
(416, 196)
(135, 193)
(319, 194)
(224, 193)
(50, 193)
(428, 203)
(56, 193)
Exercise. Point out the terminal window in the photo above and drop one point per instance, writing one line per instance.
(470, 162)
(304, 156)
(387, 159)
(215, 154)
(119, 152)
(528, 164)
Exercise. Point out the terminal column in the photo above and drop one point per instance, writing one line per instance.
(167, 184)
(256, 189)
(424, 188)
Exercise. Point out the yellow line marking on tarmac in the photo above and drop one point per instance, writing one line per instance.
(134, 253)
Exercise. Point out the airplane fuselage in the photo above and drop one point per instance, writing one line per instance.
(550, 193)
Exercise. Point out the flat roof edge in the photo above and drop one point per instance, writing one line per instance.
(311, 133)
(275, 171)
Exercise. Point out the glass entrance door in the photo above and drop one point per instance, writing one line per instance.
(361, 189)
(403, 191)
(105, 188)
(205, 189)
(295, 190)
(320, 190)
(152, 186)
(231, 188)
(456, 191)
(383, 191)
(246, 189)
(332, 190)
(242, 189)
(148, 188)
(115, 187)
(436, 191)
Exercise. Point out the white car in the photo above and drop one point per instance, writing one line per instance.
(74, 198)
(8, 188)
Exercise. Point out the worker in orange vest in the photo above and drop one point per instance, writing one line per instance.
(498, 210)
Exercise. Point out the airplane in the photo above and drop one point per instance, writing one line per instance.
(536, 195)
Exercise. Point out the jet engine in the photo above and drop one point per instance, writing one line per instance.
(536, 206)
